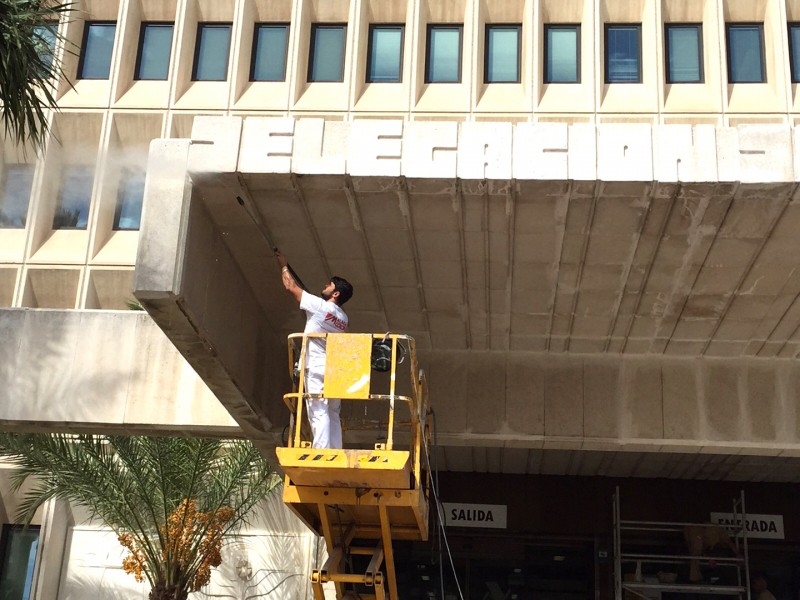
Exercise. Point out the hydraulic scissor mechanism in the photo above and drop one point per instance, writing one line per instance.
(375, 490)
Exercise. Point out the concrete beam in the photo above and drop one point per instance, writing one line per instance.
(642, 404)
(94, 371)
(188, 281)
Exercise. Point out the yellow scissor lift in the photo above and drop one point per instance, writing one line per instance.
(360, 499)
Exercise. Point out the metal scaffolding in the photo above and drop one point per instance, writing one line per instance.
(643, 584)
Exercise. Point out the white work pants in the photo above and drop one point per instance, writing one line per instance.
(323, 414)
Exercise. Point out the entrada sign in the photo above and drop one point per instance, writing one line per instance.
(758, 526)
(492, 516)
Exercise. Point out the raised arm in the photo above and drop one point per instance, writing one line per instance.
(286, 276)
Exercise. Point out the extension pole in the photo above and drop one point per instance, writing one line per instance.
(269, 242)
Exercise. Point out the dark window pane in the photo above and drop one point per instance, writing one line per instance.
(72, 211)
(17, 182)
(385, 53)
(561, 51)
(18, 561)
(622, 54)
(97, 48)
(269, 53)
(745, 54)
(327, 53)
(502, 54)
(211, 57)
(128, 213)
(153, 60)
(444, 54)
(684, 59)
(45, 36)
(794, 51)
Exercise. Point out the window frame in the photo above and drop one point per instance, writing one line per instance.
(312, 47)
(200, 26)
(372, 27)
(127, 175)
(140, 48)
(606, 27)
(762, 49)
(53, 25)
(60, 196)
(700, 55)
(577, 28)
(790, 25)
(82, 58)
(4, 183)
(460, 28)
(5, 539)
(256, 27)
(487, 27)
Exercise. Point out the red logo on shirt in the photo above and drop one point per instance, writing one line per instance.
(336, 322)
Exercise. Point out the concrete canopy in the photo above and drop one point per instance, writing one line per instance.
(634, 289)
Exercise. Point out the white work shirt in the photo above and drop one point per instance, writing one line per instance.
(321, 317)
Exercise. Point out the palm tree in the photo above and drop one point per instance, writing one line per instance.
(28, 37)
(170, 501)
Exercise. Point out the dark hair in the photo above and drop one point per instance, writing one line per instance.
(344, 288)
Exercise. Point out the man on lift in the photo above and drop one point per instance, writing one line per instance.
(323, 315)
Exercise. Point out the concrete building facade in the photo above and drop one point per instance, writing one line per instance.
(585, 212)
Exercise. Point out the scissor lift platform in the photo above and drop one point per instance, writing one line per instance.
(347, 468)
(360, 500)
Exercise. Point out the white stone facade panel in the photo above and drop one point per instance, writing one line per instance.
(684, 153)
(215, 144)
(474, 151)
(375, 148)
(267, 145)
(541, 151)
(320, 147)
(624, 152)
(484, 151)
(430, 149)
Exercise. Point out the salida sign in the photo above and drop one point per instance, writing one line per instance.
(758, 526)
(492, 516)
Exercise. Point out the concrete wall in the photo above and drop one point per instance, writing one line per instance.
(188, 280)
(99, 370)
(271, 558)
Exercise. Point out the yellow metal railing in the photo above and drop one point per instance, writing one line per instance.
(349, 376)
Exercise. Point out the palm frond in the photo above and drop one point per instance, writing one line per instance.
(28, 67)
(135, 485)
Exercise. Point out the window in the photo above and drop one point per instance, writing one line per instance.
(128, 213)
(794, 51)
(17, 561)
(72, 211)
(270, 42)
(684, 52)
(211, 52)
(98, 44)
(326, 62)
(746, 53)
(17, 182)
(443, 62)
(45, 36)
(562, 51)
(623, 58)
(155, 42)
(501, 62)
(385, 54)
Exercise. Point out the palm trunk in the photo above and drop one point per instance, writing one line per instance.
(162, 591)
